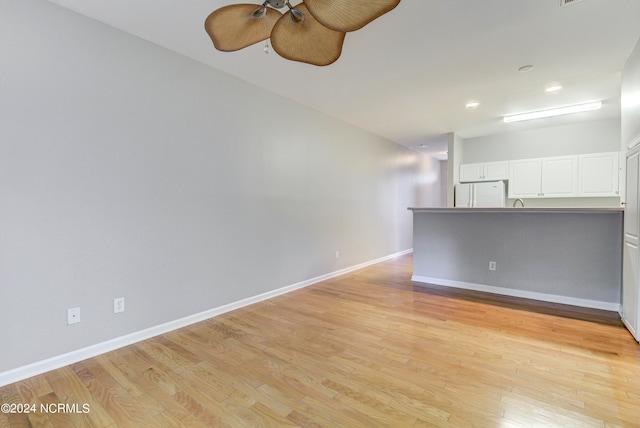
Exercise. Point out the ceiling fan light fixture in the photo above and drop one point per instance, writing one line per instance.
(313, 33)
(347, 16)
(309, 41)
(296, 16)
(260, 12)
(237, 26)
(278, 4)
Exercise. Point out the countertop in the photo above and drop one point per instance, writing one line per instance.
(579, 210)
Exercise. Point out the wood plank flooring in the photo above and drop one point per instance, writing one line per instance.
(368, 349)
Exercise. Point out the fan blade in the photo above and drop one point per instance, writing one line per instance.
(234, 27)
(307, 41)
(351, 15)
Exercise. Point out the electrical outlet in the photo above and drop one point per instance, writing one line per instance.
(492, 265)
(118, 305)
(337, 254)
(73, 315)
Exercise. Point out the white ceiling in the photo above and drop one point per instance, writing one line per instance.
(408, 75)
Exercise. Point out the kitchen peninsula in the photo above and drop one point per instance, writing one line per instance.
(563, 255)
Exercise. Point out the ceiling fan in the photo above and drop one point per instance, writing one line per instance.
(311, 32)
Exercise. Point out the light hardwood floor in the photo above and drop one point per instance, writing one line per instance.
(366, 349)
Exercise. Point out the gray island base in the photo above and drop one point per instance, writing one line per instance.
(569, 256)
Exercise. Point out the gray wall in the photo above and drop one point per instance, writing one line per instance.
(571, 255)
(585, 137)
(128, 170)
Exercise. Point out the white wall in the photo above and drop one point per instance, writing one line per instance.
(444, 182)
(428, 186)
(128, 170)
(631, 99)
(585, 137)
(455, 149)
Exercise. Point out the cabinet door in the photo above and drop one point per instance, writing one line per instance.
(524, 178)
(630, 294)
(559, 177)
(496, 171)
(631, 209)
(599, 174)
(471, 172)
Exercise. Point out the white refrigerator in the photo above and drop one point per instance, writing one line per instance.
(485, 194)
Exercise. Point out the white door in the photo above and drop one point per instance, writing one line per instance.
(630, 295)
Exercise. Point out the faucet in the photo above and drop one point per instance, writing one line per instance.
(516, 201)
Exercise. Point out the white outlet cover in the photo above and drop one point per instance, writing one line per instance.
(73, 316)
(118, 305)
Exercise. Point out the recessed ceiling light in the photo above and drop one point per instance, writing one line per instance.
(553, 88)
(553, 112)
(472, 104)
(525, 68)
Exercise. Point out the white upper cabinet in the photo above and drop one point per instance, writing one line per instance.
(559, 177)
(471, 172)
(489, 171)
(592, 175)
(496, 171)
(599, 174)
(525, 178)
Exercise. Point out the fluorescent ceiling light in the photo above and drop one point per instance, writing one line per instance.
(554, 112)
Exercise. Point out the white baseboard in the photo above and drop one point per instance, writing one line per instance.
(554, 298)
(39, 367)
